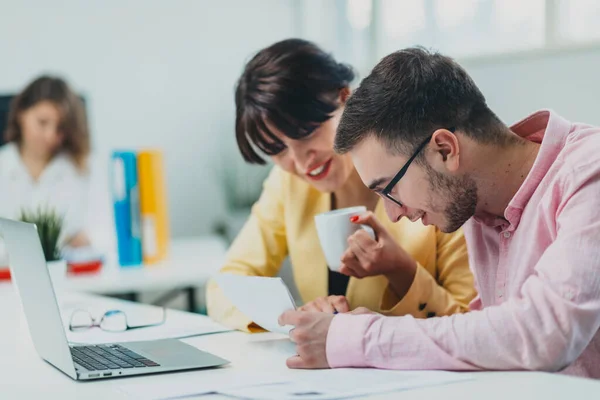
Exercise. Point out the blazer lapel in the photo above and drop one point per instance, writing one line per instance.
(311, 276)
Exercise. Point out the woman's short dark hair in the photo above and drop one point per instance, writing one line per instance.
(73, 120)
(292, 85)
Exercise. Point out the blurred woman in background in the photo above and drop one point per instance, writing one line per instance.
(289, 100)
(43, 165)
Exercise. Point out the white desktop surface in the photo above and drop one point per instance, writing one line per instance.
(24, 375)
(190, 262)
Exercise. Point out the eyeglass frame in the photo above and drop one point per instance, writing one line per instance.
(387, 190)
(98, 324)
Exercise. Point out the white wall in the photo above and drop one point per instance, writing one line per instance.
(155, 73)
(566, 82)
(515, 85)
(159, 73)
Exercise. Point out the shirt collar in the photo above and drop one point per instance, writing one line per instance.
(549, 129)
(13, 167)
(491, 220)
(552, 131)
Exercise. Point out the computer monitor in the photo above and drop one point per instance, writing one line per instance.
(4, 107)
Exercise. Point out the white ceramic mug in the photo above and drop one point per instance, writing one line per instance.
(334, 228)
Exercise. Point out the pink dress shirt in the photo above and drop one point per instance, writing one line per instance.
(538, 277)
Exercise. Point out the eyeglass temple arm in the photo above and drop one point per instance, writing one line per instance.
(401, 173)
(162, 321)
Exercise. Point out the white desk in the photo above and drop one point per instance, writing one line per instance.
(24, 375)
(190, 263)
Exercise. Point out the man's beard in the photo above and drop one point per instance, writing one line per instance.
(460, 193)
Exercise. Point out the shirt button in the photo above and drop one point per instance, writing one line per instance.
(499, 292)
(506, 234)
(570, 295)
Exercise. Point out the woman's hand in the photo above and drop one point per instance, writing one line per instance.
(330, 304)
(80, 239)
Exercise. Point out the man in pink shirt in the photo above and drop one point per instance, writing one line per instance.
(422, 136)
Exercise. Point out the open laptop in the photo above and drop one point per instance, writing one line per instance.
(81, 362)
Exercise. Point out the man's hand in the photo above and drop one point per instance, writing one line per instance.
(329, 304)
(368, 257)
(310, 335)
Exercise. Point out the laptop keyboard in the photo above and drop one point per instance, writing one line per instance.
(111, 356)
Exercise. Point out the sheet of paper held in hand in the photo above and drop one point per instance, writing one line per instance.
(261, 299)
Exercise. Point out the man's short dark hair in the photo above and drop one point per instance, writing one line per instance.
(409, 95)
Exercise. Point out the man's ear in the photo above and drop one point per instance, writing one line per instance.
(444, 151)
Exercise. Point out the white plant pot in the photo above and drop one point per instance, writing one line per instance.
(57, 269)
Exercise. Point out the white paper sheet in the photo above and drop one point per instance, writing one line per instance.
(286, 384)
(178, 324)
(193, 383)
(343, 383)
(261, 299)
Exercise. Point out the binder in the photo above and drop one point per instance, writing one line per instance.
(126, 197)
(153, 206)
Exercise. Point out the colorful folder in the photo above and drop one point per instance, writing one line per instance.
(125, 194)
(153, 206)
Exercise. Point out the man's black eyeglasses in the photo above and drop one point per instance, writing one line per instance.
(390, 186)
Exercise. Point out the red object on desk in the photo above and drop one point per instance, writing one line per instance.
(89, 267)
(4, 274)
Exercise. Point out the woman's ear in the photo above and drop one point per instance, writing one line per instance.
(19, 119)
(344, 95)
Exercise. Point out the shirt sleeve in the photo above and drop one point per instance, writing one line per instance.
(545, 327)
(447, 293)
(258, 250)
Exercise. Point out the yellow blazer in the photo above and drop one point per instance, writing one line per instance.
(282, 224)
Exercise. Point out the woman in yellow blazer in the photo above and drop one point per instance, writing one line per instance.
(289, 100)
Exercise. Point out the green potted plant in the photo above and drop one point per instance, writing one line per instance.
(49, 227)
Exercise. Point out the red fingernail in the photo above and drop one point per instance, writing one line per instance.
(354, 219)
